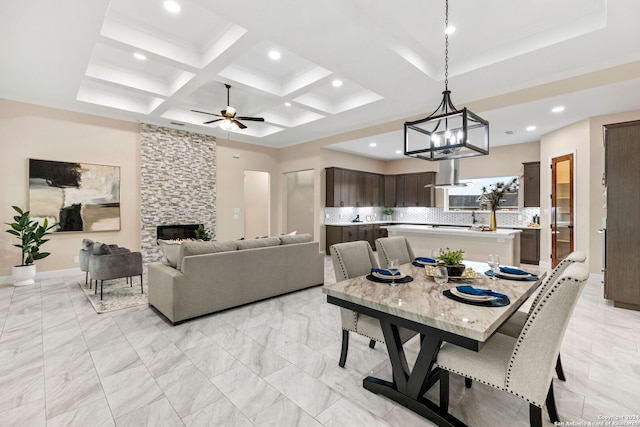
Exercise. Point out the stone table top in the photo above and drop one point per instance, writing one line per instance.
(422, 301)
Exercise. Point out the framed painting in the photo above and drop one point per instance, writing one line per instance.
(78, 196)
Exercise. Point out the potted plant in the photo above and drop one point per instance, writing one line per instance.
(494, 195)
(451, 260)
(203, 233)
(388, 214)
(31, 234)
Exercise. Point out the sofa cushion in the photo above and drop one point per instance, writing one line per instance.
(258, 243)
(300, 238)
(201, 248)
(171, 251)
(101, 249)
(87, 244)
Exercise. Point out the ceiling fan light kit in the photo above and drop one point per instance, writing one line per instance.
(448, 133)
(228, 118)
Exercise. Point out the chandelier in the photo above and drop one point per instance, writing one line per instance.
(448, 133)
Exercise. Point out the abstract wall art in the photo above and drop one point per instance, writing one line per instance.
(78, 196)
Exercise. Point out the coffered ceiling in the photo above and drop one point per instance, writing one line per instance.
(509, 61)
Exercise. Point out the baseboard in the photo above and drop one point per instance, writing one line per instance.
(4, 280)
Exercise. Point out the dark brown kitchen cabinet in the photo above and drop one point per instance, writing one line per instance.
(531, 184)
(622, 234)
(337, 188)
(389, 190)
(373, 190)
(340, 233)
(426, 196)
(356, 188)
(530, 246)
(365, 232)
(379, 232)
(350, 233)
(410, 190)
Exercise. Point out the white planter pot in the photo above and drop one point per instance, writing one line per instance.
(23, 275)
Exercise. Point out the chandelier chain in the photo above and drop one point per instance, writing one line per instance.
(446, 45)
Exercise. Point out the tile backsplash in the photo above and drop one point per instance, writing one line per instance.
(430, 216)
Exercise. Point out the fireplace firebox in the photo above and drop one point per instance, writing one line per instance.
(177, 231)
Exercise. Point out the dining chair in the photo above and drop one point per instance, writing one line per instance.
(522, 366)
(396, 247)
(514, 325)
(353, 259)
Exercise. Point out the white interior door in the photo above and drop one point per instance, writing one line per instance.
(299, 201)
(257, 210)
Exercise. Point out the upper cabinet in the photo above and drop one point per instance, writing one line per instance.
(531, 184)
(353, 188)
(411, 191)
(363, 189)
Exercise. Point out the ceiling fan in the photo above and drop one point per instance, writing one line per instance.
(229, 116)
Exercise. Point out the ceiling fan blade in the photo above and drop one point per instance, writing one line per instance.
(204, 112)
(212, 121)
(240, 125)
(252, 119)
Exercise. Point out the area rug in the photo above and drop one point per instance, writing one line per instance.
(116, 294)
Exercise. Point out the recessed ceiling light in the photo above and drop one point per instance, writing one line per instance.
(172, 6)
(287, 104)
(336, 83)
(139, 56)
(558, 109)
(530, 128)
(372, 144)
(398, 151)
(450, 29)
(274, 54)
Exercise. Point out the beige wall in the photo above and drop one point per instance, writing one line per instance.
(29, 131)
(230, 185)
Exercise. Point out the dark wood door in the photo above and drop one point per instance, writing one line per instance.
(622, 243)
(561, 208)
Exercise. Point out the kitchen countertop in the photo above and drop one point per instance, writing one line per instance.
(345, 223)
(453, 231)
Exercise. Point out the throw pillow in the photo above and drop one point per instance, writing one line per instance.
(171, 250)
(300, 238)
(101, 249)
(87, 244)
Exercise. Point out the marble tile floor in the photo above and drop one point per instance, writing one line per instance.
(272, 363)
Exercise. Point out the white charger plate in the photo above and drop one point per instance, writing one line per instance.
(384, 276)
(469, 297)
(426, 263)
(514, 276)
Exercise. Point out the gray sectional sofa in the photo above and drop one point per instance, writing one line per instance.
(199, 278)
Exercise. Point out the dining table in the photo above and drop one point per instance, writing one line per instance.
(438, 316)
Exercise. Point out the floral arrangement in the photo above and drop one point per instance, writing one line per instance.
(494, 195)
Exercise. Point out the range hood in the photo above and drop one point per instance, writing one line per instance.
(448, 175)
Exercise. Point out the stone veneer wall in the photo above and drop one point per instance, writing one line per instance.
(177, 182)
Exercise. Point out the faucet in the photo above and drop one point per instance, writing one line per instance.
(473, 217)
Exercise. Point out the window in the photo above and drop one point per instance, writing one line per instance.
(468, 198)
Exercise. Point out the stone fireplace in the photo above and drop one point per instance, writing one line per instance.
(177, 184)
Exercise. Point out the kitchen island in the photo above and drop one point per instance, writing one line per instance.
(477, 245)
